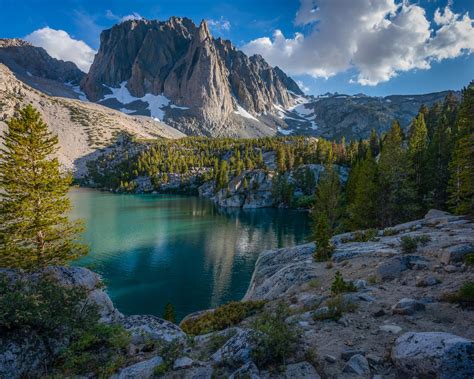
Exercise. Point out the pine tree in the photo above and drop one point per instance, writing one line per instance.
(417, 153)
(362, 200)
(321, 235)
(328, 197)
(396, 200)
(168, 313)
(461, 167)
(34, 229)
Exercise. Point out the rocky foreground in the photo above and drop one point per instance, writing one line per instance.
(401, 316)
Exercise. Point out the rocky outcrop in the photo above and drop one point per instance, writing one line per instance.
(214, 88)
(434, 354)
(255, 188)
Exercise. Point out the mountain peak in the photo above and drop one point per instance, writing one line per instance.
(213, 87)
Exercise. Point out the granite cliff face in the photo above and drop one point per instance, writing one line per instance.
(192, 81)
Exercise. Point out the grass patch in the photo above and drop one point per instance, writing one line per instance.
(222, 317)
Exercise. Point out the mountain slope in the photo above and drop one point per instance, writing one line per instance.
(34, 66)
(175, 71)
(83, 128)
(353, 117)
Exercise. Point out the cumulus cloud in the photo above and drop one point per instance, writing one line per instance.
(219, 25)
(60, 45)
(379, 38)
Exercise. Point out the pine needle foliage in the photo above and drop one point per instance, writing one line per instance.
(34, 228)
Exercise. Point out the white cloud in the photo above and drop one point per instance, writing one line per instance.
(379, 38)
(60, 45)
(219, 25)
(132, 16)
(303, 87)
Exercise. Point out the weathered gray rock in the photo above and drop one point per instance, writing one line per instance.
(457, 253)
(22, 356)
(347, 353)
(145, 328)
(392, 268)
(427, 281)
(182, 362)
(248, 370)
(301, 370)
(140, 370)
(434, 354)
(237, 349)
(358, 365)
(407, 307)
(279, 271)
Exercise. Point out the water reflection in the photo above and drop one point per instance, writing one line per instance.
(155, 249)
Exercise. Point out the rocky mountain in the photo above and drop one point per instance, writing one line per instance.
(84, 129)
(353, 117)
(176, 71)
(34, 66)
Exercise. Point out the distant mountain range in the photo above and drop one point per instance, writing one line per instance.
(176, 73)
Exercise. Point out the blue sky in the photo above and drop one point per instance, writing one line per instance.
(374, 71)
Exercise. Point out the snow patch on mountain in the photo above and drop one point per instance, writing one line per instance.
(242, 112)
(156, 103)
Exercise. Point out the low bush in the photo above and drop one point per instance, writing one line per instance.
(464, 296)
(222, 317)
(67, 324)
(339, 285)
(275, 341)
(337, 306)
(365, 235)
(409, 245)
(390, 232)
(470, 259)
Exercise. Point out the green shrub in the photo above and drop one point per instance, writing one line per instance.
(339, 285)
(464, 296)
(61, 317)
(169, 351)
(390, 232)
(470, 259)
(275, 340)
(466, 292)
(365, 235)
(337, 306)
(222, 317)
(410, 244)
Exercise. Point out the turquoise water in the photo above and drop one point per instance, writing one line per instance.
(154, 249)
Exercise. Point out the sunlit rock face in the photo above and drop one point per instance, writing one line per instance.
(211, 88)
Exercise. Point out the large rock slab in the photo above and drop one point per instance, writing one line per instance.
(140, 370)
(144, 328)
(236, 350)
(434, 355)
(278, 271)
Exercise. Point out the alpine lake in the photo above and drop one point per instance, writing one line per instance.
(156, 249)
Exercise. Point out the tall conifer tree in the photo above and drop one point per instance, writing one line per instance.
(396, 191)
(461, 167)
(34, 228)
